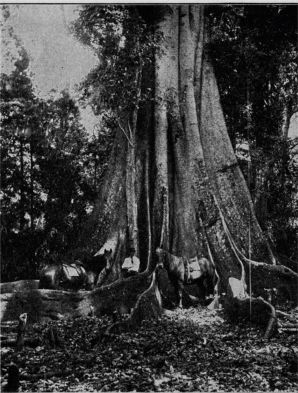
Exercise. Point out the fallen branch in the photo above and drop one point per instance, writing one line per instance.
(45, 304)
(272, 324)
(290, 330)
(17, 286)
(285, 315)
(47, 375)
(289, 326)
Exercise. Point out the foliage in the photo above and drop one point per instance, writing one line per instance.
(253, 49)
(51, 169)
(254, 52)
(189, 350)
(125, 46)
(49, 174)
(255, 56)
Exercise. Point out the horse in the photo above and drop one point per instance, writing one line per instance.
(63, 276)
(98, 266)
(74, 276)
(183, 271)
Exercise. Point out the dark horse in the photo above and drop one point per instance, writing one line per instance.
(182, 271)
(74, 276)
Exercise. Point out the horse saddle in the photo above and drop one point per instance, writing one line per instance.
(73, 270)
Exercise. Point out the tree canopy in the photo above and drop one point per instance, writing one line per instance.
(50, 173)
(190, 164)
(253, 49)
(254, 53)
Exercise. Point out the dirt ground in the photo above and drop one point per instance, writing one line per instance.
(186, 350)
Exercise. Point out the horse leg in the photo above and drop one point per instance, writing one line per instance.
(209, 286)
(61, 281)
(201, 287)
(90, 281)
(179, 291)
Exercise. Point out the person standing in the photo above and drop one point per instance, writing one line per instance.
(131, 264)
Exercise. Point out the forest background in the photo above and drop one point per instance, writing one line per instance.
(52, 166)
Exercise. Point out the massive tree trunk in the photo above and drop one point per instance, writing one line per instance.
(195, 185)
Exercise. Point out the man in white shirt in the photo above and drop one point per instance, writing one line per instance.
(131, 264)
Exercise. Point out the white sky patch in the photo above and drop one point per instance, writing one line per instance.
(89, 120)
(293, 129)
(58, 60)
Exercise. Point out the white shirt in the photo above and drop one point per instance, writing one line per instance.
(131, 263)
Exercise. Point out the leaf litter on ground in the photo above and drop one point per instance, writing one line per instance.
(192, 349)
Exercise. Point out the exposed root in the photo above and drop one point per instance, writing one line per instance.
(240, 307)
(277, 276)
(285, 315)
(148, 306)
(43, 305)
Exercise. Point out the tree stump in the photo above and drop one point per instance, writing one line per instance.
(21, 331)
(13, 382)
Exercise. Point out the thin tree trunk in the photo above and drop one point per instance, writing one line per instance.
(31, 187)
(148, 214)
(286, 117)
(132, 206)
(22, 202)
(131, 193)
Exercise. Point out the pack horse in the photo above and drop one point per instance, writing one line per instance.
(74, 276)
(183, 271)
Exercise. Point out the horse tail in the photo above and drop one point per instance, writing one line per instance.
(44, 282)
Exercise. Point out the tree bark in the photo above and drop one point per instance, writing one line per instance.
(131, 197)
(162, 82)
(286, 118)
(18, 286)
(43, 304)
(194, 175)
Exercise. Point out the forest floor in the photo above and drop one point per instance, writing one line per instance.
(186, 350)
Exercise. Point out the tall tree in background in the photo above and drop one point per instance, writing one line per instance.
(47, 170)
(255, 57)
(187, 179)
(17, 99)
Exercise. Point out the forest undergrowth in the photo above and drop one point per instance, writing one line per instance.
(193, 349)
